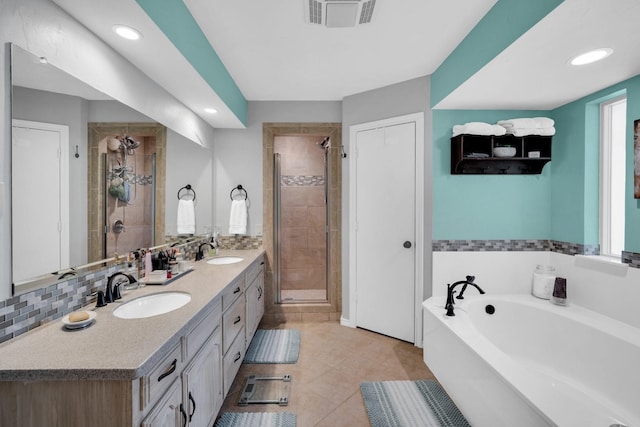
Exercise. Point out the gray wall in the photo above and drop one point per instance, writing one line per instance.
(238, 152)
(396, 100)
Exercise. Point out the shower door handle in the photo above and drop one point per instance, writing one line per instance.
(407, 244)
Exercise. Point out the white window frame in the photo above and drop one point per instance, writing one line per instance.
(612, 179)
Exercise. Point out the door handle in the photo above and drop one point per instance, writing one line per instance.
(407, 244)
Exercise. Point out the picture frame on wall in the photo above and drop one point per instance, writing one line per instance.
(636, 159)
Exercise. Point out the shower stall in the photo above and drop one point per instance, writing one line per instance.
(129, 202)
(301, 232)
(126, 170)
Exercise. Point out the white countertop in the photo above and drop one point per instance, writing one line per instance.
(119, 349)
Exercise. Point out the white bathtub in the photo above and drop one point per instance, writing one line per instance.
(532, 363)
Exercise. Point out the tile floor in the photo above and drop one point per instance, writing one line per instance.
(333, 361)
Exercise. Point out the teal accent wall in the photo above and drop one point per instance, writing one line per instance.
(177, 23)
(486, 207)
(505, 22)
(575, 168)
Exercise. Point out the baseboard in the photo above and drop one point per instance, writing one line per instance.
(347, 322)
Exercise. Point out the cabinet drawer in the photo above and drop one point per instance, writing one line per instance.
(254, 270)
(160, 378)
(199, 334)
(232, 292)
(232, 361)
(232, 323)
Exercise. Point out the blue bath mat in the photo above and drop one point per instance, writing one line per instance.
(410, 403)
(257, 419)
(274, 346)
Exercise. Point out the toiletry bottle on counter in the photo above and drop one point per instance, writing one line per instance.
(544, 278)
(147, 265)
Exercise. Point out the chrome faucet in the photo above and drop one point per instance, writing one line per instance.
(200, 254)
(112, 293)
(450, 292)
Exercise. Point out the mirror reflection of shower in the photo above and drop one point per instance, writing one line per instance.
(301, 218)
(129, 181)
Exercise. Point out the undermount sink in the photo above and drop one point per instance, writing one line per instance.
(221, 260)
(152, 305)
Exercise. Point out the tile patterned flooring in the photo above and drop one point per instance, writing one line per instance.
(333, 361)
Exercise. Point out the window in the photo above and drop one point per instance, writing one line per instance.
(613, 119)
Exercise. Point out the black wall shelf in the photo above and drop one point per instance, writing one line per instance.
(473, 154)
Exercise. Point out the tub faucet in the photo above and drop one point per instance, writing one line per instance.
(450, 292)
(112, 293)
(469, 281)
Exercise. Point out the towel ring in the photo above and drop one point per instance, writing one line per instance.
(188, 188)
(239, 188)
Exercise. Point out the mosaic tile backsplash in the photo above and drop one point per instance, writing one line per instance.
(514, 245)
(25, 312)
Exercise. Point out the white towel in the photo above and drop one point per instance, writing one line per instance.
(528, 123)
(238, 217)
(186, 217)
(478, 128)
(532, 131)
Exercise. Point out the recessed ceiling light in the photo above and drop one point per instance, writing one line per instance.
(210, 110)
(591, 56)
(127, 32)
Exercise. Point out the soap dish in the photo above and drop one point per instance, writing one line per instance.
(72, 326)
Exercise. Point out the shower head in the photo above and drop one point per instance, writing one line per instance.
(326, 143)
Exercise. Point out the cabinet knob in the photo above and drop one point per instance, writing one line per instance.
(407, 244)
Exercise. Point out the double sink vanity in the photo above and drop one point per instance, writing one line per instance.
(169, 369)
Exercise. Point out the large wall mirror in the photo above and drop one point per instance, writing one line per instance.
(91, 177)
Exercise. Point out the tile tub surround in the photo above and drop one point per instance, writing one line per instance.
(114, 348)
(23, 313)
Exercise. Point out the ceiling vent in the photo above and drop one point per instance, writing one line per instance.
(339, 13)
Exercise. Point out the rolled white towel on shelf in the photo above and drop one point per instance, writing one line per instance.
(238, 217)
(550, 131)
(478, 128)
(528, 123)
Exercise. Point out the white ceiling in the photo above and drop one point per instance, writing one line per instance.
(535, 73)
(273, 54)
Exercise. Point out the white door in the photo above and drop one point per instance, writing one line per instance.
(385, 217)
(39, 199)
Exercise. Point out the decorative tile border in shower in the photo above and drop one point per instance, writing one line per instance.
(132, 178)
(302, 180)
(631, 258)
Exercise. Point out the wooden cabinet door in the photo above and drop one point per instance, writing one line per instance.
(202, 383)
(255, 306)
(169, 411)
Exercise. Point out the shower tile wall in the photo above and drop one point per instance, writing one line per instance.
(136, 214)
(303, 214)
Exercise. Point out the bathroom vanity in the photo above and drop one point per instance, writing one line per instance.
(173, 369)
